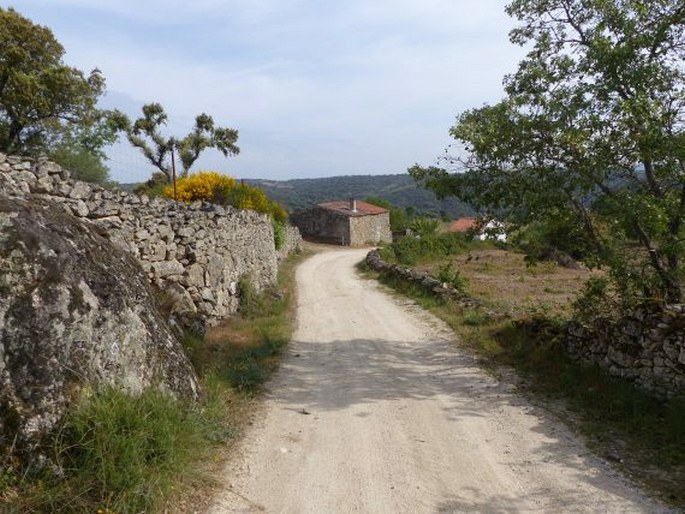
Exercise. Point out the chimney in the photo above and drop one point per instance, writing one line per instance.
(353, 205)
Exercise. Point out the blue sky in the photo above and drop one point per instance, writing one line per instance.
(316, 88)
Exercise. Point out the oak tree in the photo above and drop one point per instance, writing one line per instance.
(42, 100)
(145, 133)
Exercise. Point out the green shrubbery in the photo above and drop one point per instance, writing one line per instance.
(279, 234)
(553, 238)
(415, 249)
(452, 277)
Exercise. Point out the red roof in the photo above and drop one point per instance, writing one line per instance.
(463, 225)
(344, 207)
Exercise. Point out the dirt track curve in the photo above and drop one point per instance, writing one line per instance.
(374, 410)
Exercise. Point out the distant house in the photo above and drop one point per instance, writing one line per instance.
(480, 228)
(348, 223)
(464, 225)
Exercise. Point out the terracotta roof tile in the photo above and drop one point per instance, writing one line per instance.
(463, 225)
(343, 207)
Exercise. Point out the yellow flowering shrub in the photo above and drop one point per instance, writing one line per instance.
(210, 186)
(207, 186)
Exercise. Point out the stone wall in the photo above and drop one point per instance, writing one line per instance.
(422, 279)
(647, 347)
(196, 253)
(292, 243)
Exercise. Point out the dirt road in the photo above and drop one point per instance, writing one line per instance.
(374, 410)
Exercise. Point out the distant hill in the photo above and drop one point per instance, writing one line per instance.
(400, 190)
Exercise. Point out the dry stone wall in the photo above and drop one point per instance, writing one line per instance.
(196, 253)
(647, 347)
(421, 279)
(292, 242)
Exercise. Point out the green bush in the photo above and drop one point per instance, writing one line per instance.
(448, 275)
(153, 187)
(546, 240)
(412, 250)
(279, 234)
(425, 227)
(83, 164)
(252, 304)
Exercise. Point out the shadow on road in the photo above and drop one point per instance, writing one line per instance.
(326, 377)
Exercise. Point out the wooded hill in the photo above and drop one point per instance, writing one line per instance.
(400, 190)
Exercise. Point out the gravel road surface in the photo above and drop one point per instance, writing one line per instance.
(376, 410)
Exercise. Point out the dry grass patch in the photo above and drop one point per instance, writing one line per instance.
(503, 279)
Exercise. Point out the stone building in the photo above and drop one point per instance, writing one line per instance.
(348, 223)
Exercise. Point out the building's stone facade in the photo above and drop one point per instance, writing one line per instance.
(196, 253)
(371, 229)
(323, 225)
(358, 224)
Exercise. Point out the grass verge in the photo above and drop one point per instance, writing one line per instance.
(117, 453)
(637, 432)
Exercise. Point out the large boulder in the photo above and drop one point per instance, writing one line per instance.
(76, 313)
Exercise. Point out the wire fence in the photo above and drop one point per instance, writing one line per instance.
(127, 164)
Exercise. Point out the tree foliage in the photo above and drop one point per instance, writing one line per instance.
(145, 133)
(590, 133)
(42, 100)
(82, 163)
(399, 218)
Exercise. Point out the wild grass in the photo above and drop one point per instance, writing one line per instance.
(120, 453)
(245, 350)
(116, 452)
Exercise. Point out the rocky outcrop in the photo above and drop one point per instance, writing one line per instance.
(196, 253)
(76, 312)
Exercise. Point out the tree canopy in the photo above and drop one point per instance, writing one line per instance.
(590, 132)
(42, 100)
(145, 133)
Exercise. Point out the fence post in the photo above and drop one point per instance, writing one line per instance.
(173, 172)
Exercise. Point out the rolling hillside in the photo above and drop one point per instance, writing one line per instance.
(400, 190)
